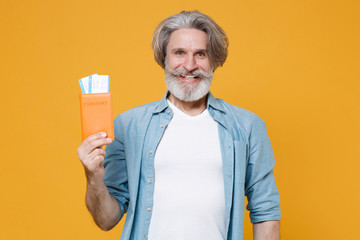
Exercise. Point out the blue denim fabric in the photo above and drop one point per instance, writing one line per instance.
(247, 165)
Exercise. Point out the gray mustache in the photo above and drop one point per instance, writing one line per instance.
(196, 73)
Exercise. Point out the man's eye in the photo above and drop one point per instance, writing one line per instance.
(200, 54)
(179, 52)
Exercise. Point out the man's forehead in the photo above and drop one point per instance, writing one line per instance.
(188, 38)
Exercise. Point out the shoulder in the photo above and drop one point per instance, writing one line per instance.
(241, 116)
(245, 123)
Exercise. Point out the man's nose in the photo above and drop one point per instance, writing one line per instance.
(190, 63)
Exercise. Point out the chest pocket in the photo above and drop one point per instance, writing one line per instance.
(240, 160)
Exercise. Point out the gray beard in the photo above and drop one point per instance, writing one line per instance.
(184, 91)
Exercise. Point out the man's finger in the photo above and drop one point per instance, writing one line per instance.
(95, 136)
(94, 141)
(98, 143)
(88, 140)
(96, 152)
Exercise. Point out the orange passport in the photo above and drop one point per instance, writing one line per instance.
(96, 114)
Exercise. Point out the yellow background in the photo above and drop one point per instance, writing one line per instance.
(294, 63)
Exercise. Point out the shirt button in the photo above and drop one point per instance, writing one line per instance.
(146, 236)
(149, 181)
(168, 111)
(151, 152)
(148, 209)
(161, 126)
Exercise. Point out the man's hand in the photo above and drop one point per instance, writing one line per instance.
(268, 230)
(92, 156)
(101, 204)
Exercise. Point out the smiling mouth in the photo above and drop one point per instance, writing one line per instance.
(190, 77)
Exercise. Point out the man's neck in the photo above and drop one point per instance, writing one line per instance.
(190, 108)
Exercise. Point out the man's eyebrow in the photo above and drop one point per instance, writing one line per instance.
(177, 49)
(183, 49)
(201, 50)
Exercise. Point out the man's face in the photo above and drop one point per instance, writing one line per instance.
(188, 71)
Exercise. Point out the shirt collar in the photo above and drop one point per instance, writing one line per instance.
(162, 105)
(211, 102)
(214, 103)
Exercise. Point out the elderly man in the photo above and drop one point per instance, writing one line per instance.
(180, 167)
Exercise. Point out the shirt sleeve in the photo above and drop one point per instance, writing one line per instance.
(260, 187)
(116, 179)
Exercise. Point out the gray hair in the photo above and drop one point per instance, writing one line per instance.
(217, 41)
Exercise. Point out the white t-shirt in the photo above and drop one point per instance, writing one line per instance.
(189, 200)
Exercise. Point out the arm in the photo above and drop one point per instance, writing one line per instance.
(102, 206)
(268, 230)
(260, 186)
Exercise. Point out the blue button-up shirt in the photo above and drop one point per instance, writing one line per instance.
(247, 158)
